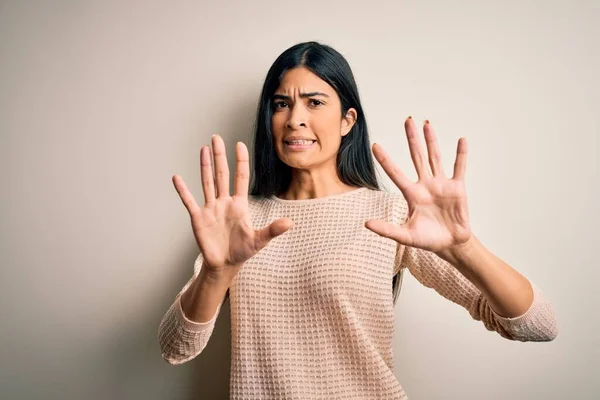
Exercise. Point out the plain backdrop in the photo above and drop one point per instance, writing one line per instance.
(102, 102)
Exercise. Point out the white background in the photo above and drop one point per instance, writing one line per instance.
(102, 102)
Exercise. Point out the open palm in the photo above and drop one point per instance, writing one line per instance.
(438, 216)
(222, 226)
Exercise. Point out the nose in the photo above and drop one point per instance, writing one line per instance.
(296, 119)
(294, 125)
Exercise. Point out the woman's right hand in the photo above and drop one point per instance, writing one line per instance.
(223, 227)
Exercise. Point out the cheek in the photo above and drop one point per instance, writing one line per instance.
(328, 130)
(277, 127)
(275, 121)
(333, 126)
(278, 122)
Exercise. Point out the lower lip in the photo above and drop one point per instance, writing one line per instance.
(298, 147)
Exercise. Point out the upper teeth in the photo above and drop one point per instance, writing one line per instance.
(300, 141)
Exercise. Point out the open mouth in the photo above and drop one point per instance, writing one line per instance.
(299, 142)
(299, 145)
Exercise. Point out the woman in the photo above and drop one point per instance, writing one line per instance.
(311, 302)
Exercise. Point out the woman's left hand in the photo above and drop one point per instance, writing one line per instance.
(438, 218)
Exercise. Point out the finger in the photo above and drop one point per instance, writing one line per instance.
(185, 195)
(242, 171)
(398, 233)
(276, 228)
(390, 168)
(416, 150)
(206, 174)
(221, 168)
(433, 150)
(460, 165)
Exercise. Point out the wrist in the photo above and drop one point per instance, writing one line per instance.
(460, 254)
(218, 276)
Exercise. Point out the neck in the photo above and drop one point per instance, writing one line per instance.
(310, 187)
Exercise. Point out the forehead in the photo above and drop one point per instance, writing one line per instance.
(303, 79)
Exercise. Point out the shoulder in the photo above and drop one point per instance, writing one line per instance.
(258, 204)
(255, 200)
(382, 204)
(384, 197)
(394, 203)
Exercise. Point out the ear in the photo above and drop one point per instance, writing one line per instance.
(348, 121)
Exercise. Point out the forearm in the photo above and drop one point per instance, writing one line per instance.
(508, 292)
(202, 298)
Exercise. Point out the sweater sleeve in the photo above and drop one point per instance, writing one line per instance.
(180, 338)
(537, 324)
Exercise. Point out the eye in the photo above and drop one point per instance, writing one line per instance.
(313, 102)
(278, 103)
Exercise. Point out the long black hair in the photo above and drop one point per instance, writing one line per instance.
(355, 166)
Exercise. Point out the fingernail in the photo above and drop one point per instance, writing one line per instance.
(409, 117)
(213, 136)
(426, 121)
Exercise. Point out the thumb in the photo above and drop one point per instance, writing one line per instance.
(276, 228)
(398, 233)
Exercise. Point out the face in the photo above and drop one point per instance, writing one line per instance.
(305, 106)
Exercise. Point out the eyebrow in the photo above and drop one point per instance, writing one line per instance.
(302, 95)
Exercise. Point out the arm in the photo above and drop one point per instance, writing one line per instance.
(536, 323)
(508, 292)
(183, 335)
(433, 217)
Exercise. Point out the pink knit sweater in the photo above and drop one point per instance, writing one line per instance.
(312, 314)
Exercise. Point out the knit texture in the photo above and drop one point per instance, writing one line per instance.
(312, 314)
